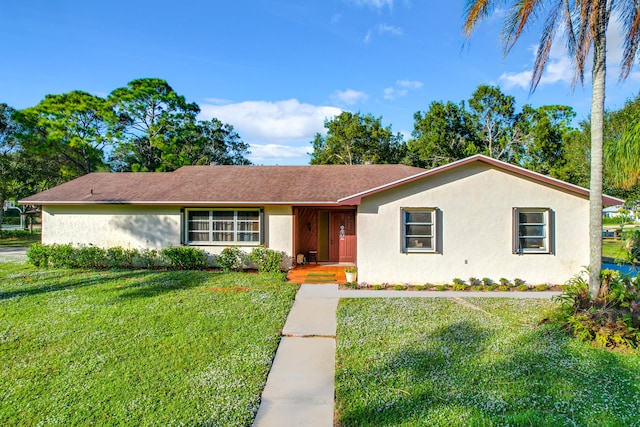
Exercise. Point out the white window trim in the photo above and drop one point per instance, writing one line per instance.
(546, 238)
(234, 242)
(434, 230)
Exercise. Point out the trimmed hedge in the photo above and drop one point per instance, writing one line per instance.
(67, 256)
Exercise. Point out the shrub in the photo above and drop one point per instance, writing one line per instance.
(89, 257)
(477, 288)
(38, 255)
(61, 256)
(231, 259)
(502, 288)
(419, 287)
(400, 287)
(459, 286)
(267, 260)
(118, 257)
(474, 281)
(518, 282)
(441, 287)
(147, 258)
(542, 287)
(523, 287)
(504, 281)
(487, 281)
(184, 258)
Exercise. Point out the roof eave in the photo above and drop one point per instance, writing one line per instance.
(606, 200)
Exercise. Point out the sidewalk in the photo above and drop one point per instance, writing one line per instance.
(300, 385)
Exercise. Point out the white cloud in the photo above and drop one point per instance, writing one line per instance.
(410, 84)
(559, 69)
(273, 129)
(282, 154)
(377, 4)
(217, 101)
(401, 88)
(348, 97)
(394, 31)
(381, 30)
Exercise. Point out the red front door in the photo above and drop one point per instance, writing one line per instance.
(342, 236)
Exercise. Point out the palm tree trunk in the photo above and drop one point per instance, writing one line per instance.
(597, 142)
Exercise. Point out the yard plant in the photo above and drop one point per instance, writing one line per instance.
(487, 362)
(136, 347)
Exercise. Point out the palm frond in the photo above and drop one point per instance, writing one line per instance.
(475, 10)
(630, 18)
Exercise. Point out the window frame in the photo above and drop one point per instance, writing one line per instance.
(547, 231)
(434, 230)
(211, 229)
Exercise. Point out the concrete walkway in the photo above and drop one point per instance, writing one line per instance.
(299, 389)
(300, 385)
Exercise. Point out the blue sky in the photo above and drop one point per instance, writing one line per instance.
(275, 69)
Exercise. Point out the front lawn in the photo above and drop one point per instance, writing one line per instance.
(81, 347)
(436, 362)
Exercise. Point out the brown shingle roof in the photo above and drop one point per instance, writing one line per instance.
(193, 185)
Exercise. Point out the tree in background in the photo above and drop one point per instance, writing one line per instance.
(8, 154)
(215, 142)
(497, 124)
(74, 128)
(353, 138)
(442, 134)
(545, 130)
(21, 172)
(622, 148)
(584, 24)
(155, 122)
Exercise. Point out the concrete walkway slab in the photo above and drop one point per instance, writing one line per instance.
(313, 312)
(300, 386)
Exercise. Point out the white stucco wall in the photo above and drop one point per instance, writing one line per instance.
(113, 225)
(144, 226)
(476, 204)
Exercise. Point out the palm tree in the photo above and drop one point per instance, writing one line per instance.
(584, 25)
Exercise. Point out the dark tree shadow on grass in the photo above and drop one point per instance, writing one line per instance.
(127, 283)
(545, 379)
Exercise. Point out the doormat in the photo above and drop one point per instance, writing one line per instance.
(312, 280)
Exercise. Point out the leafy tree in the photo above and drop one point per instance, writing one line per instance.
(219, 144)
(8, 149)
(74, 128)
(21, 173)
(584, 23)
(442, 134)
(156, 121)
(545, 130)
(622, 139)
(498, 125)
(357, 139)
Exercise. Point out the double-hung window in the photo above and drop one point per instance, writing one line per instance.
(418, 230)
(532, 230)
(223, 226)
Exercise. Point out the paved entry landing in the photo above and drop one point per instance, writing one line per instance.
(318, 274)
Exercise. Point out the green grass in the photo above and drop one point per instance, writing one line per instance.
(136, 347)
(18, 238)
(418, 362)
(612, 248)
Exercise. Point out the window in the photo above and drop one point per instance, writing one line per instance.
(418, 230)
(532, 230)
(224, 226)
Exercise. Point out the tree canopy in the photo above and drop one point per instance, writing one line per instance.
(353, 138)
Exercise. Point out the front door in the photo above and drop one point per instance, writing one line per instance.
(342, 236)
